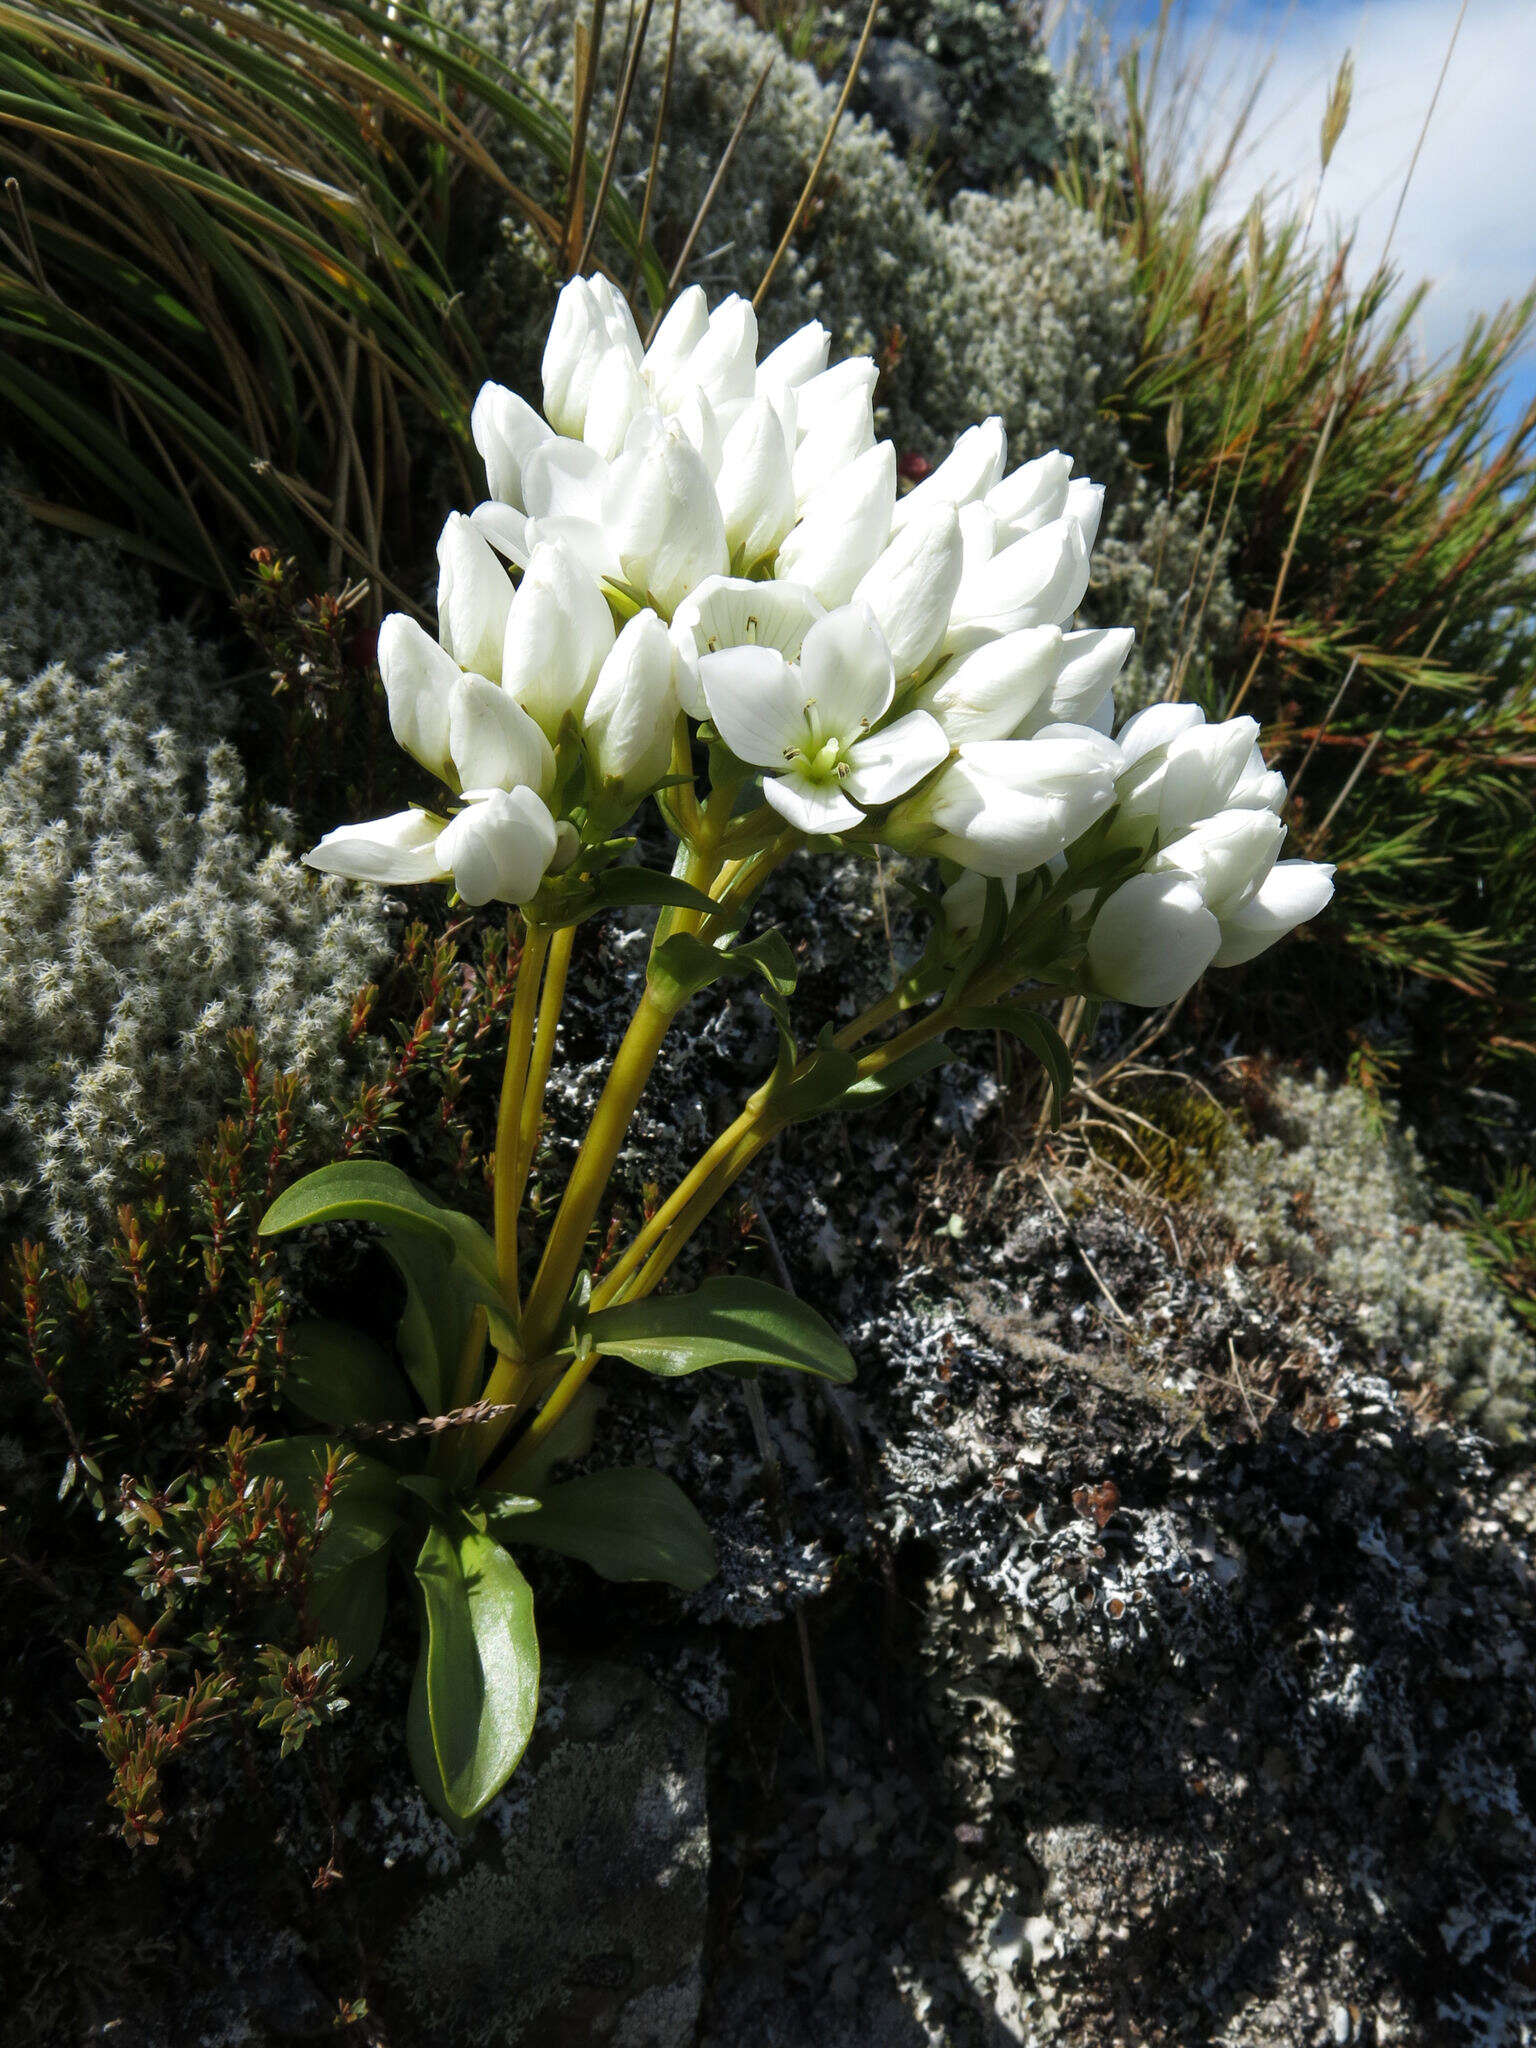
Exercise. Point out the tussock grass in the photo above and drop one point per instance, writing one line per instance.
(225, 293)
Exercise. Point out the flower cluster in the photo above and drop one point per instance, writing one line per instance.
(711, 549)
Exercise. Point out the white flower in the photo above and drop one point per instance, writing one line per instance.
(559, 630)
(506, 430)
(497, 849)
(402, 848)
(968, 472)
(794, 362)
(1152, 940)
(815, 722)
(1038, 580)
(835, 422)
(1003, 807)
(1292, 892)
(1227, 856)
(1179, 769)
(661, 515)
(755, 485)
(730, 611)
(1035, 494)
(911, 587)
(419, 678)
(1083, 692)
(631, 712)
(590, 320)
(493, 742)
(474, 594)
(989, 693)
(843, 528)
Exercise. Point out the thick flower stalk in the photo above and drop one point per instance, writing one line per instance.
(693, 579)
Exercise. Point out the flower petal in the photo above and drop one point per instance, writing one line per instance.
(1152, 940)
(894, 759)
(495, 744)
(499, 848)
(401, 848)
(845, 673)
(505, 528)
(757, 703)
(730, 611)
(814, 808)
(506, 430)
(1294, 891)
(419, 677)
(474, 595)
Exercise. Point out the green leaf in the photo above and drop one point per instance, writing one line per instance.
(727, 1322)
(350, 1604)
(683, 964)
(873, 1089)
(430, 1333)
(1042, 1039)
(476, 1689)
(335, 1373)
(830, 1073)
(630, 1524)
(617, 888)
(360, 1191)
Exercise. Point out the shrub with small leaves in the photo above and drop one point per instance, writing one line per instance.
(144, 911)
(1338, 1191)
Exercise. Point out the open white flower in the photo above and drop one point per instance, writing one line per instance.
(816, 722)
(1004, 807)
(497, 849)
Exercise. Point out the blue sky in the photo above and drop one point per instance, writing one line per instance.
(1469, 218)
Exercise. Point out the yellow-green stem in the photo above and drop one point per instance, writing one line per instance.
(551, 1002)
(554, 1408)
(514, 1079)
(620, 1098)
(703, 1169)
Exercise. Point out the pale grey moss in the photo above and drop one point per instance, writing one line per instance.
(1341, 1195)
(142, 917)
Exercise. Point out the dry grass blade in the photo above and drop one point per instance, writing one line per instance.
(727, 156)
(814, 176)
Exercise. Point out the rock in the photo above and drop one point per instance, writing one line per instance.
(577, 1914)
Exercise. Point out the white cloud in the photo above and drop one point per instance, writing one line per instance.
(1469, 219)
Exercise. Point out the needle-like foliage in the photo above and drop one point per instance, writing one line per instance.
(225, 291)
(1378, 523)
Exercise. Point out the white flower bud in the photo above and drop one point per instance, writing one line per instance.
(1005, 806)
(1034, 495)
(835, 418)
(1085, 507)
(474, 594)
(499, 847)
(558, 632)
(495, 744)
(990, 692)
(573, 354)
(844, 528)
(1258, 787)
(1228, 856)
(1152, 940)
(1181, 770)
(419, 677)
(755, 486)
(795, 361)
(1292, 892)
(683, 327)
(506, 431)
(616, 399)
(631, 712)
(663, 519)
(1083, 692)
(1036, 581)
(912, 586)
(966, 474)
